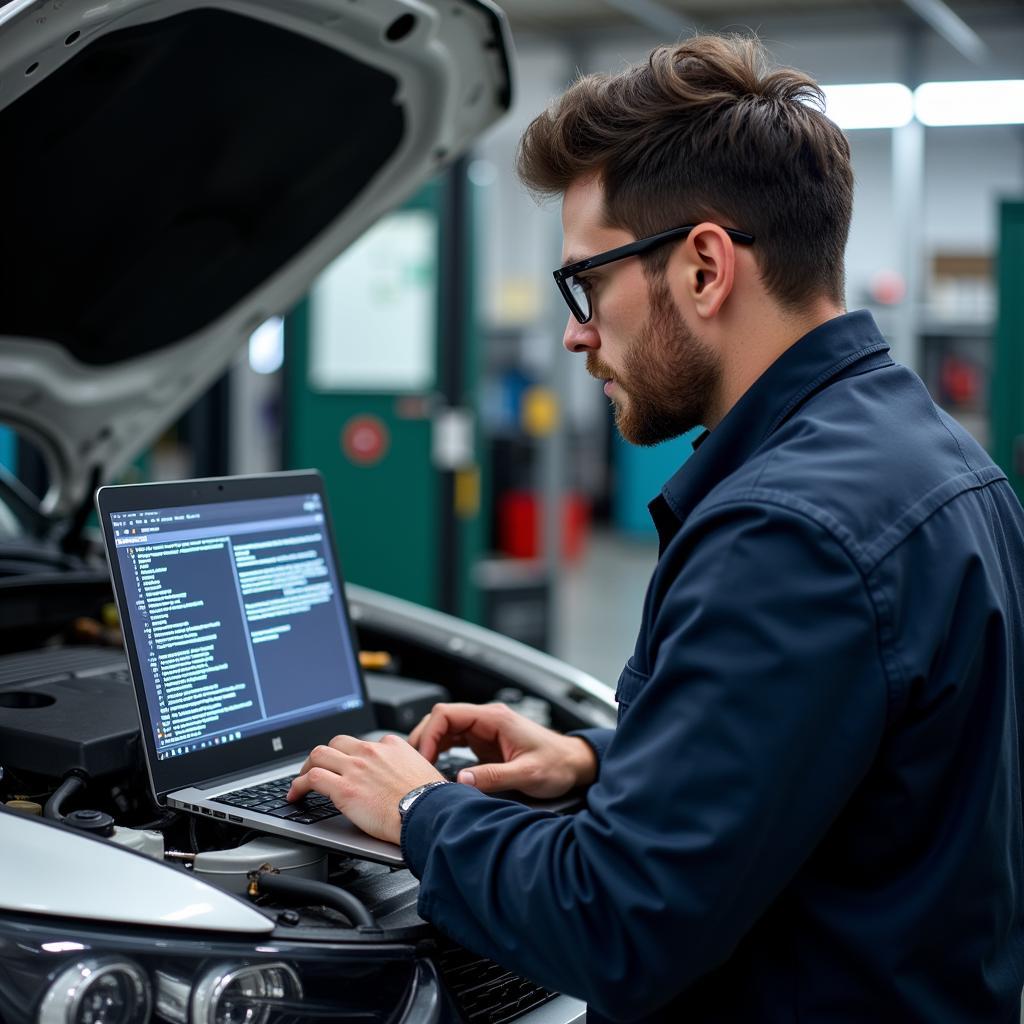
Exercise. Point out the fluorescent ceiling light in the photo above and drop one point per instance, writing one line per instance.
(952, 103)
(875, 105)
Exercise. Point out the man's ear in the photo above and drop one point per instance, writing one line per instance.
(709, 268)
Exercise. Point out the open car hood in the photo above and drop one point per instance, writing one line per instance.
(175, 172)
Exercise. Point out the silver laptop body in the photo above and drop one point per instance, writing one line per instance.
(239, 641)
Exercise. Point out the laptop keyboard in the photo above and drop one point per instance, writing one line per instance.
(269, 798)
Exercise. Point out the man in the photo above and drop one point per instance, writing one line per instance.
(811, 807)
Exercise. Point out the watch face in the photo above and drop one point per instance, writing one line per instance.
(407, 801)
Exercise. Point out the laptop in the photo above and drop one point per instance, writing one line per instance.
(240, 645)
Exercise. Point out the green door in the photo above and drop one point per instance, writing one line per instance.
(1008, 364)
(370, 404)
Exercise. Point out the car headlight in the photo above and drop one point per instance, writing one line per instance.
(97, 992)
(70, 973)
(229, 994)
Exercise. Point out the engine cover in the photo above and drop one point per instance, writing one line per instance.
(70, 707)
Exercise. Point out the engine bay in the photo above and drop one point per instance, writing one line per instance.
(69, 734)
(70, 751)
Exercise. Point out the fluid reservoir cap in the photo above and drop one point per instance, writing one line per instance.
(25, 806)
(97, 822)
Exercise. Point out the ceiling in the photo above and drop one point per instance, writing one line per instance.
(570, 17)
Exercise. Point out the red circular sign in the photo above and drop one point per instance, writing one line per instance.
(365, 440)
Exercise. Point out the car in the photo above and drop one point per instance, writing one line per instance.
(174, 173)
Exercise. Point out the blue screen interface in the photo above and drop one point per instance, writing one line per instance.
(236, 614)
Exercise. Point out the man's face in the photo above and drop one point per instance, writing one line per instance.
(660, 376)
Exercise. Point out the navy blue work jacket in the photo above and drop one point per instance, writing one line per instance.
(811, 807)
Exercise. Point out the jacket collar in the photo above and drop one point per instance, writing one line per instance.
(823, 355)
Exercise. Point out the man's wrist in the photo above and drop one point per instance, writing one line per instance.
(583, 760)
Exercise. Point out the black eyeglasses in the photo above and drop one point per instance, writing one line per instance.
(576, 292)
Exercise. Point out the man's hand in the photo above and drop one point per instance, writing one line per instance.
(514, 752)
(365, 780)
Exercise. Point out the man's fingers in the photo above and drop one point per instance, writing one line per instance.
(432, 732)
(414, 736)
(429, 725)
(452, 725)
(495, 778)
(323, 761)
(318, 780)
(348, 745)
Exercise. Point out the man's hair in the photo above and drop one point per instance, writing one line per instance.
(707, 130)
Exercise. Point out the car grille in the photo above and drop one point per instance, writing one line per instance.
(485, 992)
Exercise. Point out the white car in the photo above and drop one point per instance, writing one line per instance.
(172, 173)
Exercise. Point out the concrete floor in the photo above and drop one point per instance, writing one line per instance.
(600, 601)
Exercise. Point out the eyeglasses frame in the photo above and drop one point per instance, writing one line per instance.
(637, 248)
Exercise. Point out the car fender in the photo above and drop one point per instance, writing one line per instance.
(69, 874)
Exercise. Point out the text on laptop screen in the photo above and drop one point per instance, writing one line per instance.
(236, 615)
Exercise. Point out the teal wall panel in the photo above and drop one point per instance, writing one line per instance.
(640, 473)
(7, 448)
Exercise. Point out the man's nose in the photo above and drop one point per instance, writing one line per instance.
(580, 337)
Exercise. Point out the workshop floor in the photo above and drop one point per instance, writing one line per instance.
(600, 600)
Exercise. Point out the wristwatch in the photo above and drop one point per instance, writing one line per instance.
(414, 794)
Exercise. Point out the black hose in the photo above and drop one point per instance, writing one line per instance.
(74, 782)
(165, 819)
(316, 892)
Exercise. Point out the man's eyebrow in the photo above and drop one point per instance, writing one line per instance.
(570, 260)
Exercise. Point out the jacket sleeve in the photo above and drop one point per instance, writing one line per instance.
(763, 709)
(597, 739)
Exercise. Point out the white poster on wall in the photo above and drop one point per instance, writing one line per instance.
(373, 311)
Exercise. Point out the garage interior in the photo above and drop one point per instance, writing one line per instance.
(470, 465)
(535, 519)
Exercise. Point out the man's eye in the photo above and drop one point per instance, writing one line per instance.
(583, 283)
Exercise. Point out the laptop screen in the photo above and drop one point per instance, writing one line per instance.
(237, 620)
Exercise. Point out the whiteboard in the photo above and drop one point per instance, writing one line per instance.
(373, 311)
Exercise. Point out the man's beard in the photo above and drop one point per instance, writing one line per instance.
(669, 375)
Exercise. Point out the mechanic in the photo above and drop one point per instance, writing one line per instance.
(811, 806)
